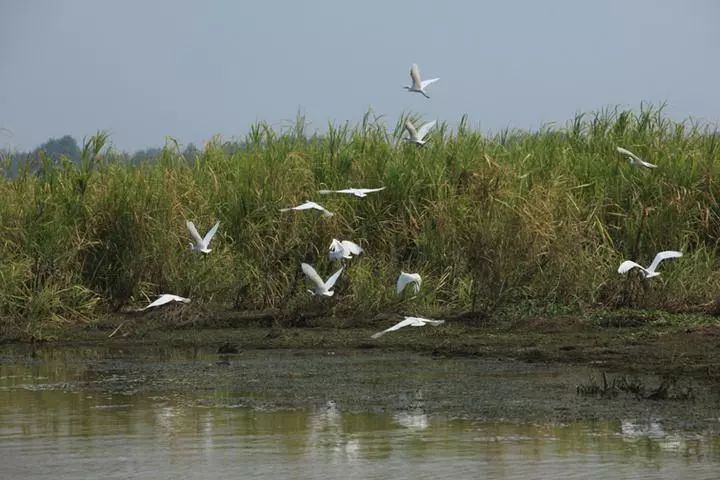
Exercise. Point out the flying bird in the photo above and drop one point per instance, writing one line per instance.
(418, 85)
(417, 136)
(634, 159)
(321, 288)
(310, 205)
(343, 249)
(649, 272)
(409, 322)
(200, 244)
(164, 299)
(405, 278)
(358, 192)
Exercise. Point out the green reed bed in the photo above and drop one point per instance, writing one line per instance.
(541, 219)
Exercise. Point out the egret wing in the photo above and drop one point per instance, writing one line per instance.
(411, 129)
(422, 131)
(425, 83)
(209, 235)
(352, 247)
(415, 76)
(628, 265)
(312, 275)
(663, 256)
(397, 326)
(331, 281)
(193, 232)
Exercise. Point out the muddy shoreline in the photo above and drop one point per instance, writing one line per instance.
(657, 343)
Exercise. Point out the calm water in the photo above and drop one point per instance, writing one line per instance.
(61, 419)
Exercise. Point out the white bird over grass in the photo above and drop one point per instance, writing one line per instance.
(343, 249)
(164, 299)
(634, 159)
(310, 205)
(200, 244)
(418, 136)
(358, 192)
(418, 85)
(321, 288)
(409, 322)
(649, 272)
(405, 278)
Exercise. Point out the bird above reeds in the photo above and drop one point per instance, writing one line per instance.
(321, 287)
(417, 136)
(358, 192)
(418, 84)
(310, 205)
(407, 278)
(165, 299)
(201, 244)
(634, 159)
(343, 249)
(649, 272)
(409, 322)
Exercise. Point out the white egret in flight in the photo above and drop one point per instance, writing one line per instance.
(166, 298)
(321, 288)
(649, 272)
(405, 278)
(310, 205)
(409, 322)
(358, 192)
(417, 136)
(634, 159)
(200, 244)
(343, 249)
(418, 84)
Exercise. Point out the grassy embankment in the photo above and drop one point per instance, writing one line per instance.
(503, 224)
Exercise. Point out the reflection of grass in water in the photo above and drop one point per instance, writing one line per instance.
(668, 388)
(492, 222)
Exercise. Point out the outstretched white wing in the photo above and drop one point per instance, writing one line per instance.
(397, 326)
(663, 256)
(419, 321)
(422, 131)
(193, 232)
(312, 275)
(331, 281)
(352, 247)
(415, 76)
(634, 158)
(425, 83)
(209, 235)
(627, 152)
(411, 130)
(167, 298)
(628, 265)
(406, 278)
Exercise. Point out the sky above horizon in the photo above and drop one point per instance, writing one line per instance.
(191, 70)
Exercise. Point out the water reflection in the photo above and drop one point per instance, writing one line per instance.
(52, 425)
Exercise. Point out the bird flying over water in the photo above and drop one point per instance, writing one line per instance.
(417, 136)
(166, 298)
(649, 272)
(405, 278)
(321, 288)
(634, 159)
(410, 322)
(343, 249)
(358, 192)
(310, 205)
(418, 85)
(200, 244)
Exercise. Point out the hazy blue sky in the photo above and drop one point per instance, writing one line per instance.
(147, 69)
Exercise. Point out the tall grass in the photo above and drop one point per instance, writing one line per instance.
(518, 218)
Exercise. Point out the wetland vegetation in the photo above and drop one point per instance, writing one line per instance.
(510, 226)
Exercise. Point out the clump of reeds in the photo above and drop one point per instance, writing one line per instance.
(542, 218)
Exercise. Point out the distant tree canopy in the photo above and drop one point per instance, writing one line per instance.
(57, 147)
